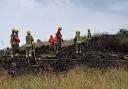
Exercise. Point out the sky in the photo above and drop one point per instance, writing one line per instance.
(42, 17)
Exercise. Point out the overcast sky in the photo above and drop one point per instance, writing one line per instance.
(43, 16)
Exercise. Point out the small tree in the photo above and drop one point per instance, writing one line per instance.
(123, 33)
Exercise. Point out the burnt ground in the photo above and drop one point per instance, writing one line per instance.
(102, 52)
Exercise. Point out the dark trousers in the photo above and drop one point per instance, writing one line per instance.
(15, 50)
(78, 48)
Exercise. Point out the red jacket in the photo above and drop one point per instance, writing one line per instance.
(17, 40)
(51, 40)
(55, 40)
(58, 34)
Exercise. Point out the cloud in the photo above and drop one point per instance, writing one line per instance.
(43, 16)
(118, 7)
(101, 4)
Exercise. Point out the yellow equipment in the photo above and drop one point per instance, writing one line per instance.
(59, 28)
(77, 32)
(28, 32)
(14, 29)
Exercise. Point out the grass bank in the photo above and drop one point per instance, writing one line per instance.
(77, 78)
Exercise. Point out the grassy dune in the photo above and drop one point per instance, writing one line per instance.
(77, 78)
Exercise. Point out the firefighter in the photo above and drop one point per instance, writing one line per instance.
(12, 42)
(30, 45)
(51, 41)
(17, 41)
(89, 35)
(89, 39)
(55, 43)
(77, 41)
(33, 49)
(59, 38)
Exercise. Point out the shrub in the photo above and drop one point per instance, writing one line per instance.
(123, 33)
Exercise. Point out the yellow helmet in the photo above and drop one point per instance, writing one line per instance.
(77, 32)
(14, 29)
(59, 28)
(17, 31)
(28, 32)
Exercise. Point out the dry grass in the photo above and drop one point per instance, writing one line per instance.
(65, 43)
(78, 78)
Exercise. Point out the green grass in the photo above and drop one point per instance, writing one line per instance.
(77, 78)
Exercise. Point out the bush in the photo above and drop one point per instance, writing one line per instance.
(123, 33)
(117, 43)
